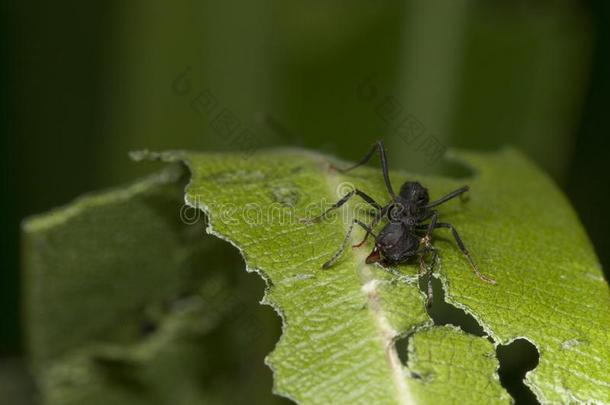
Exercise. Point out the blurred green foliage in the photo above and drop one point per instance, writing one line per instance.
(83, 83)
(101, 330)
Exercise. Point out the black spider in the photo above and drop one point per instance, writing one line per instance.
(405, 236)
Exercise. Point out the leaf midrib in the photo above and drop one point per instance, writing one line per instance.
(369, 287)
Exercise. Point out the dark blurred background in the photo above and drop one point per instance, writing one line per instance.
(83, 83)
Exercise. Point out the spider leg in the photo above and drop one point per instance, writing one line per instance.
(426, 240)
(448, 197)
(430, 298)
(338, 253)
(342, 201)
(384, 165)
(431, 226)
(428, 270)
(374, 222)
(422, 264)
(465, 252)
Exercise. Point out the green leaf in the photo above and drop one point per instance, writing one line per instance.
(78, 256)
(340, 324)
(126, 304)
(100, 269)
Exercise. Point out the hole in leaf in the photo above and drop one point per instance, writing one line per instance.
(402, 346)
(443, 313)
(516, 359)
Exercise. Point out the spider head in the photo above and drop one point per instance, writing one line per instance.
(414, 193)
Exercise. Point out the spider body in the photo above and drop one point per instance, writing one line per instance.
(411, 221)
(395, 244)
